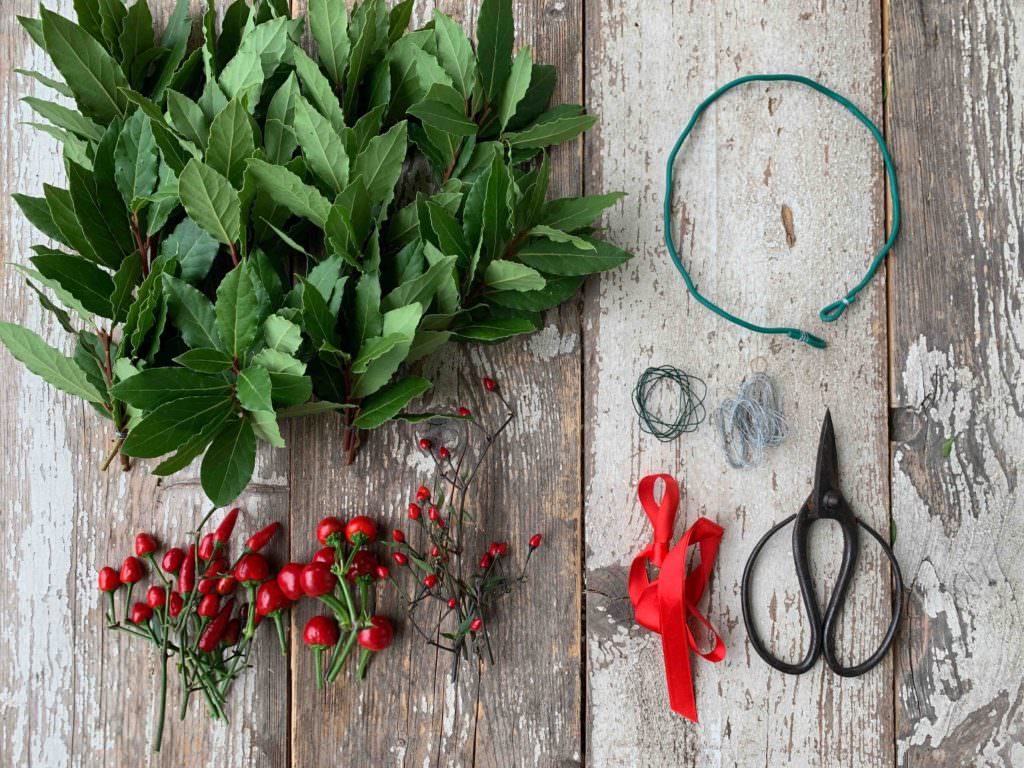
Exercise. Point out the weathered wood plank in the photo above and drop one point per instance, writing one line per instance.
(526, 710)
(74, 694)
(761, 150)
(957, 125)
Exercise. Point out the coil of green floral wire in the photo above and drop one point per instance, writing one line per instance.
(670, 423)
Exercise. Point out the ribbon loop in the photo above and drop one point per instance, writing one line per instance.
(663, 605)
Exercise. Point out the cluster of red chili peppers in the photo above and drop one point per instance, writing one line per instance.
(463, 585)
(191, 611)
(341, 575)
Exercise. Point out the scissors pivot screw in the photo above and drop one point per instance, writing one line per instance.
(831, 500)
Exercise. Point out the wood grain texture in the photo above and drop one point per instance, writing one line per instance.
(778, 208)
(526, 709)
(956, 119)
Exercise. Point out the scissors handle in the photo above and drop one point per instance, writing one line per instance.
(838, 595)
(806, 590)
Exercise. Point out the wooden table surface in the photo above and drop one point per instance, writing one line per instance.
(780, 204)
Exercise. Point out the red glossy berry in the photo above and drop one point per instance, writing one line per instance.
(289, 580)
(535, 540)
(435, 552)
(145, 544)
(398, 536)
(317, 579)
(259, 540)
(425, 444)
(176, 604)
(324, 555)
(502, 548)
(226, 585)
(131, 570)
(493, 550)
(382, 572)
(328, 527)
(209, 606)
(475, 624)
(378, 635)
(156, 597)
(414, 512)
(108, 579)
(465, 412)
(360, 530)
(430, 581)
(364, 563)
(227, 525)
(400, 558)
(173, 558)
(486, 560)
(452, 602)
(141, 613)
(433, 514)
(232, 632)
(422, 493)
(270, 599)
(207, 545)
(443, 452)
(490, 384)
(321, 632)
(252, 569)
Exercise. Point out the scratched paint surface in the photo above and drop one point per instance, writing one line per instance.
(778, 208)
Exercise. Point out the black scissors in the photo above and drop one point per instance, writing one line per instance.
(826, 502)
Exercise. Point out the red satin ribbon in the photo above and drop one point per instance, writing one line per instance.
(661, 606)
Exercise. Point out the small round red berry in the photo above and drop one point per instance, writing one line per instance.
(383, 572)
(476, 624)
(452, 602)
(425, 444)
(328, 527)
(145, 544)
(490, 384)
(156, 597)
(360, 530)
(535, 540)
(108, 579)
(398, 536)
(400, 558)
(435, 552)
(415, 511)
(422, 493)
(430, 581)
(131, 570)
(141, 613)
(378, 635)
(443, 452)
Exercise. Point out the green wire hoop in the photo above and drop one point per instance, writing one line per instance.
(833, 311)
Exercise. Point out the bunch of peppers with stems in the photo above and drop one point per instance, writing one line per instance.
(341, 575)
(466, 593)
(190, 611)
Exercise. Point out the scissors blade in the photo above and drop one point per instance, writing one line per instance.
(826, 472)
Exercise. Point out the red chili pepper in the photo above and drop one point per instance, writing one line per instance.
(452, 602)
(216, 629)
(321, 632)
(493, 550)
(360, 530)
(535, 540)
(173, 558)
(156, 597)
(271, 599)
(490, 384)
(225, 585)
(364, 563)
(207, 545)
(432, 514)
(502, 548)
(465, 412)
(227, 525)
(211, 575)
(175, 606)
(434, 551)
(398, 536)
(252, 569)
(289, 580)
(141, 613)
(209, 606)
(430, 581)
(382, 572)
(486, 560)
(261, 538)
(443, 453)
(145, 544)
(328, 527)
(378, 635)
(108, 579)
(415, 511)
(317, 579)
(425, 444)
(232, 632)
(131, 570)
(475, 624)
(324, 555)
(187, 574)
(400, 558)
(422, 493)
